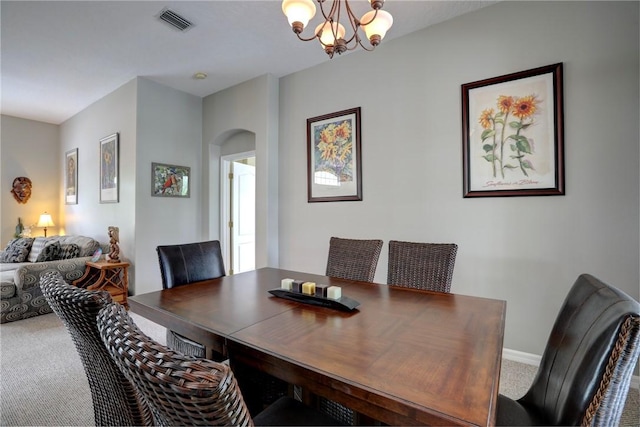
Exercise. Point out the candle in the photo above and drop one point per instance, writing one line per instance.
(334, 292)
(286, 284)
(296, 286)
(309, 288)
(321, 291)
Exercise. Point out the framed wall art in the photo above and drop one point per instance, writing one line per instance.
(109, 169)
(513, 134)
(71, 177)
(170, 180)
(333, 157)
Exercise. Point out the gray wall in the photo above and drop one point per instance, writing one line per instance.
(251, 106)
(156, 124)
(525, 250)
(29, 148)
(169, 124)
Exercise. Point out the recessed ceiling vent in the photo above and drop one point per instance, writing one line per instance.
(175, 20)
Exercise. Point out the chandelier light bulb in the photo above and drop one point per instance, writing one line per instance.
(328, 30)
(298, 13)
(377, 28)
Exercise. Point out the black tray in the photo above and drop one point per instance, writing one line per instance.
(343, 303)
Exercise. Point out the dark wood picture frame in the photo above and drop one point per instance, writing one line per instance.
(513, 134)
(334, 166)
(109, 169)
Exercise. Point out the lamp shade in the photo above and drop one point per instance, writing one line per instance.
(299, 11)
(45, 220)
(378, 26)
(327, 38)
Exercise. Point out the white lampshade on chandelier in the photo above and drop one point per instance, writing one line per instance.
(331, 33)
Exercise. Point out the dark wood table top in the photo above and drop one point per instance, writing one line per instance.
(403, 356)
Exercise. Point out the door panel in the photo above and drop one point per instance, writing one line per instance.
(244, 217)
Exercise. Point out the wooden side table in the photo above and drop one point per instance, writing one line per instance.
(107, 276)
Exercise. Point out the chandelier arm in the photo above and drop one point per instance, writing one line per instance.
(306, 39)
(328, 16)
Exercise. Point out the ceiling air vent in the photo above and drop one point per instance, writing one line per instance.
(175, 20)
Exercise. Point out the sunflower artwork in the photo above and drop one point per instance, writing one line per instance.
(333, 157)
(334, 146)
(507, 126)
(513, 134)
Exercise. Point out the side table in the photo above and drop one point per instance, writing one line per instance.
(106, 276)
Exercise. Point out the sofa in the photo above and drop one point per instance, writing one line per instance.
(25, 260)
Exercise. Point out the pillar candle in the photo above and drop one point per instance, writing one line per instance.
(286, 284)
(309, 288)
(334, 292)
(296, 286)
(321, 291)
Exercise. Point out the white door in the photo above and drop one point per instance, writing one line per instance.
(243, 214)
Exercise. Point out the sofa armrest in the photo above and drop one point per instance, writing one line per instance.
(28, 276)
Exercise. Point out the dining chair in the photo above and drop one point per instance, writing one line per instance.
(185, 390)
(116, 401)
(181, 265)
(353, 259)
(587, 365)
(427, 266)
(187, 263)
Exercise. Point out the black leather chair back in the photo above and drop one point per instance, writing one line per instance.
(190, 262)
(579, 366)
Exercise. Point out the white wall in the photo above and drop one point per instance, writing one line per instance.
(29, 148)
(251, 106)
(525, 250)
(169, 124)
(156, 124)
(115, 112)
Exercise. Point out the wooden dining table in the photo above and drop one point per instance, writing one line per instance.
(402, 356)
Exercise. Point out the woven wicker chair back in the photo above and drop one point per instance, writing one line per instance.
(182, 390)
(427, 266)
(116, 402)
(353, 259)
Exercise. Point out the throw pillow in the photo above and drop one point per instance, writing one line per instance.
(17, 250)
(69, 251)
(36, 248)
(51, 252)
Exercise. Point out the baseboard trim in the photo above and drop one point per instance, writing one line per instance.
(534, 359)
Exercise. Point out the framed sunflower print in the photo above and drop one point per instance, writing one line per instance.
(109, 169)
(334, 169)
(513, 134)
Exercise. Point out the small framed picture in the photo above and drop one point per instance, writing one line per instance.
(71, 177)
(512, 132)
(333, 157)
(109, 169)
(170, 180)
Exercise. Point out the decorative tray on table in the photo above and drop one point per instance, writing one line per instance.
(343, 303)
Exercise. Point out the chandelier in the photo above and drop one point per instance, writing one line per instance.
(331, 33)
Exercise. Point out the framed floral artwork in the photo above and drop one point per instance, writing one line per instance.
(333, 157)
(109, 169)
(513, 134)
(170, 180)
(71, 177)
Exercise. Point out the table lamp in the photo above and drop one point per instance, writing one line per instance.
(45, 221)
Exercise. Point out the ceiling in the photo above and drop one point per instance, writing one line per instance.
(58, 57)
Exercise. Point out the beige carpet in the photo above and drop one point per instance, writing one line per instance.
(43, 382)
